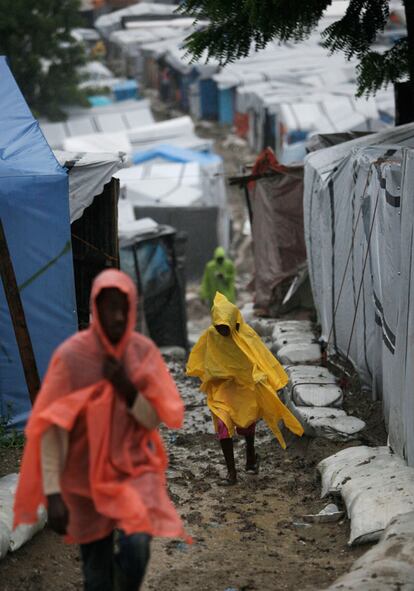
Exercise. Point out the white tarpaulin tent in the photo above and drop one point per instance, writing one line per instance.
(163, 185)
(115, 118)
(98, 143)
(107, 23)
(181, 184)
(179, 131)
(359, 230)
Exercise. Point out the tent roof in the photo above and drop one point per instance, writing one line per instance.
(88, 173)
(112, 119)
(23, 148)
(173, 153)
(109, 22)
(326, 160)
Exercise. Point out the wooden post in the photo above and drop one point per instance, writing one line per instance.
(18, 318)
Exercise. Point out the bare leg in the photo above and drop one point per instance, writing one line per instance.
(228, 452)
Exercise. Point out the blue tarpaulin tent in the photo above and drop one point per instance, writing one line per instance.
(34, 209)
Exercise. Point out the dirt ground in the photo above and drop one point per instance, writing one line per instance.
(248, 537)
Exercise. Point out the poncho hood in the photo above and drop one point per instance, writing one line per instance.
(114, 279)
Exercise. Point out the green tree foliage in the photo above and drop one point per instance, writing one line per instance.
(238, 26)
(35, 36)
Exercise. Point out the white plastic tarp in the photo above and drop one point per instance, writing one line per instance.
(98, 143)
(176, 185)
(107, 23)
(117, 118)
(359, 228)
(88, 173)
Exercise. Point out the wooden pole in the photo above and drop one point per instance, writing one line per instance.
(18, 318)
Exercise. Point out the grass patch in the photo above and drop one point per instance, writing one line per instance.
(10, 438)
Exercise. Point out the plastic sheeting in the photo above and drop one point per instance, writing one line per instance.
(212, 178)
(172, 177)
(107, 23)
(34, 208)
(18, 536)
(98, 143)
(277, 227)
(115, 118)
(375, 484)
(88, 174)
(388, 565)
(359, 228)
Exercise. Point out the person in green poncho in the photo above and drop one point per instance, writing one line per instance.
(219, 275)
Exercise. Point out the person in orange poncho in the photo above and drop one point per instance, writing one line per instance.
(93, 455)
(241, 379)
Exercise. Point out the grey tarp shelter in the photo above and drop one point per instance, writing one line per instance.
(359, 230)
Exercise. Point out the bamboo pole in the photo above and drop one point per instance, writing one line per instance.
(18, 318)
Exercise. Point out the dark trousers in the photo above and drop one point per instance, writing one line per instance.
(115, 563)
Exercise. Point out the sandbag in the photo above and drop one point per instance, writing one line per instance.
(346, 459)
(338, 428)
(388, 565)
(309, 374)
(321, 395)
(23, 533)
(287, 326)
(369, 468)
(292, 338)
(310, 413)
(300, 353)
(4, 539)
(263, 326)
(373, 502)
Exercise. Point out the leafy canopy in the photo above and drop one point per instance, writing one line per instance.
(43, 56)
(239, 26)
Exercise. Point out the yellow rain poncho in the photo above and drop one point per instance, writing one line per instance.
(239, 374)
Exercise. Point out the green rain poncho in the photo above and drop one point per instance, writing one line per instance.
(218, 276)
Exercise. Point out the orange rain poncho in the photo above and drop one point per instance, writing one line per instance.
(239, 374)
(114, 475)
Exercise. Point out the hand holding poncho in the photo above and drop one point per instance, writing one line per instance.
(239, 374)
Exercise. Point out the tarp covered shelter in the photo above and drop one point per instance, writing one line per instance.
(154, 257)
(93, 202)
(34, 209)
(113, 21)
(359, 229)
(276, 201)
(113, 119)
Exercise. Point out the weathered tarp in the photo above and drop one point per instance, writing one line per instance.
(359, 230)
(277, 225)
(34, 209)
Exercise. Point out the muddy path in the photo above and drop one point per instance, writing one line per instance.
(247, 537)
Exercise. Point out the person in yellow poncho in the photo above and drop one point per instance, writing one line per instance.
(240, 378)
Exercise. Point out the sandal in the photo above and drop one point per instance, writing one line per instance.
(254, 468)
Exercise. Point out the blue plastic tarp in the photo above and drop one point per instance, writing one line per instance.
(34, 209)
(172, 153)
(99, 100)
(125, 90)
